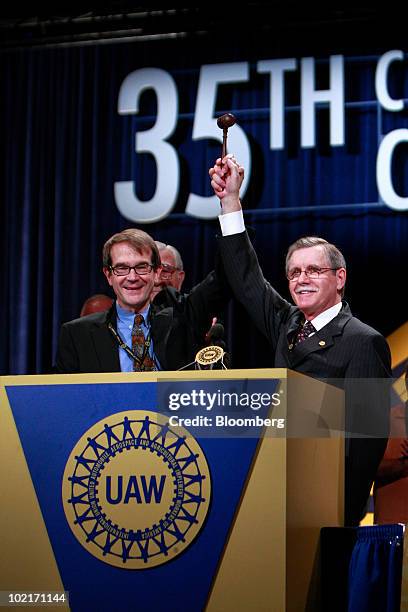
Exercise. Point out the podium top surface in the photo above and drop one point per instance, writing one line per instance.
(136, 377)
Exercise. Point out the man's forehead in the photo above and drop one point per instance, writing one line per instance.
(309, 255)
(123, 250)
(167, 257)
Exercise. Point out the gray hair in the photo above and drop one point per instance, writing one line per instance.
(334, 256)
(162, 246)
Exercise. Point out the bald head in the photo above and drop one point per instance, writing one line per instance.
(96, 303)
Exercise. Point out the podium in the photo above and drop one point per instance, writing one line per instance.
(182, 491)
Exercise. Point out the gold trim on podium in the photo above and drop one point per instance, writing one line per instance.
(27, 561)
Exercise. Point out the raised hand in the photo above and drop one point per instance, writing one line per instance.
(226, 179)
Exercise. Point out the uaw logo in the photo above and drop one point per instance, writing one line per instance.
(136, 493)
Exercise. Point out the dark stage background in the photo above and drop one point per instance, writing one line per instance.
(64, 146)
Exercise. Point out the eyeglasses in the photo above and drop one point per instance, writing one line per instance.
(310, 272)
(167, 271)
(141, 269)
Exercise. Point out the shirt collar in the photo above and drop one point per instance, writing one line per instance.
(326, 316)
(126, 315)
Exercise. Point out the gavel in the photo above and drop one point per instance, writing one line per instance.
(224, 122)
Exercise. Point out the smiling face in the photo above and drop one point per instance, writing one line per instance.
(132, 291)
(314, 295)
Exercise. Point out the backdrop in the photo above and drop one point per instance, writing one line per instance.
(100, 137)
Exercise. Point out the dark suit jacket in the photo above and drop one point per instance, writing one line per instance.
(178, 326)
(352, 350)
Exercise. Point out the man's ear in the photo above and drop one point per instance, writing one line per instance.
(157, 275)
(182, 276)
(341, 278)
(108, 274)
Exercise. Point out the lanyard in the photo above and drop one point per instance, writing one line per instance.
(127, 349)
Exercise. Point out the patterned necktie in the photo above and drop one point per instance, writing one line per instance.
(140, 347)
(304, 332)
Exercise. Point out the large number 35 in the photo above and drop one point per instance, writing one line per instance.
(154, 140)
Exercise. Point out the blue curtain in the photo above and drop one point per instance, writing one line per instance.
(64, 145)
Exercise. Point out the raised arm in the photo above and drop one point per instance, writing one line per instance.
(264, 305)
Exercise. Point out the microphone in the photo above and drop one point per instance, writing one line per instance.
(216, 332)
(215, 337)
(210, 357)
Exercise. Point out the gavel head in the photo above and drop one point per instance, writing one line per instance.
(226, 121)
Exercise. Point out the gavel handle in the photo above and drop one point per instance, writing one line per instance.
(224, 143)
(224, 146)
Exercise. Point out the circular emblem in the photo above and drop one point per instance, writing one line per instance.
(209, 355)
(135, 492)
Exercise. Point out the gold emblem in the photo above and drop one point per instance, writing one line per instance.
(136, 493)
(209, 355)
(322, 343)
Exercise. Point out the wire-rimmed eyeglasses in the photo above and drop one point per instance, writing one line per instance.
(310, 272)
(167, 271)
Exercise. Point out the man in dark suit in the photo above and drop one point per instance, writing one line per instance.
(173, 328)
(318, 336)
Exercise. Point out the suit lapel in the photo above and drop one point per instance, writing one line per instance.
(105, 345)
(106, 348)
(321, 340)
(161, 324)
(293, 325)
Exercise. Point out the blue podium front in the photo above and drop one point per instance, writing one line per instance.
(122, 490)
